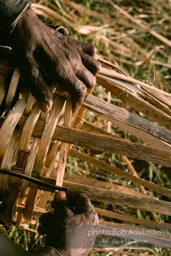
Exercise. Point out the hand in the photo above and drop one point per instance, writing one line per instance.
(46, 56)
(67, 228)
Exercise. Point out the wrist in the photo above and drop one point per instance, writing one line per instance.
(26, 25)
(25, 19)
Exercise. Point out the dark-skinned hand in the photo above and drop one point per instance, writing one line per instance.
(68, 228)
(46, 56)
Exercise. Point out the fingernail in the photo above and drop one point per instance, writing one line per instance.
(46, 107)
(50, 103)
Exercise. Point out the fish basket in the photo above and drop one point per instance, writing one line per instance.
(35, 146)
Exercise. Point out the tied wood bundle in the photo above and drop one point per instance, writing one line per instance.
(37, 144)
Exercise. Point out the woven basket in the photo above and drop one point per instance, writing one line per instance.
(24, 151)
(36, 145)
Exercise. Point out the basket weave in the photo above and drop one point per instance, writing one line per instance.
(37, 144)
(23, 151)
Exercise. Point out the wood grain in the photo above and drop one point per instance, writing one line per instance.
(121, 199)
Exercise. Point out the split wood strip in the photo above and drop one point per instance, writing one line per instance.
(121, 199)
(29, 167)
(56, 167)
(132, 219)
(107, 143)
(99, 164)
(112, 169)
(60, 170)
(166, 99)
(12, 87)
(111, 65)
(47, 134)
(134, 100)
(30, 203)
(102, 184)
(7, 161)
(95, 129)
(164, 106)
(37, 212)
(145, 136)
(51, 123)
(28, 128)
(151, 141)
(120, 115)
(110, 144)
(8, 127)
(113, 74)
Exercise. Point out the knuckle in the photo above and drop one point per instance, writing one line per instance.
(72, 54)
(80, 88)
(91, 81)
(96, 65)
(87, 78)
